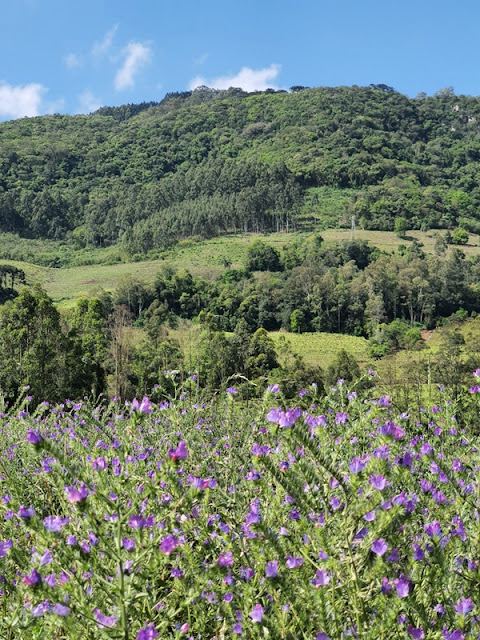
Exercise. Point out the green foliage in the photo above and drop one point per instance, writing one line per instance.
(207, 162)
(400, 227)
(344, 367)
(459, 236)
(262, 257)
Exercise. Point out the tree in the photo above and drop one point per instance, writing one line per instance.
(401, 227)
(262, 257)
(32, 346)
(298, 322)
(262, 357)
(459, 236)
(344, 367)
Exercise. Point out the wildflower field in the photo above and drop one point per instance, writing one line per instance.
(210, 518)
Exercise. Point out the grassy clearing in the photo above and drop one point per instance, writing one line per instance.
(317, 349)
(205, 259)
(320, 349)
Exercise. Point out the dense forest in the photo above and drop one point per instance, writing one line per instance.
(206, 162)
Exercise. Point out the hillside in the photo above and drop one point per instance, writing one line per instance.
(207, 162)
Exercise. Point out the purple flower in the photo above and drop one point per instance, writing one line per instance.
(136, 522)
(232, 391)
(294, 563)
(379, 547)
(433, 529)
(60, 610)
(454, 635)
(273, 388)
(180, 453)
(322, 636)
(104, 621)
(25, 514)
(168, 544)
(54, 524)
(260, 450)
(284, 418)
(237, 628)
(35, 438)
(271, 570)
(322, 578)
(257, 613)
(148, 633)
(341, 418)
(416, 633)
(4, 547)
(77, 495)
(402, 585)
(40, 609)
(464, 606)
(33, 579)
(418, 553)
(142, 407)
(225, 560)
(378, 482)
(128, 544)
(356, 465)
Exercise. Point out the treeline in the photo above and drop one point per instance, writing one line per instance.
(206, 162)
(93, 350)
(348, 287)
(120, 343)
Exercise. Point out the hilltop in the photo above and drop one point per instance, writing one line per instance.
(207, 162)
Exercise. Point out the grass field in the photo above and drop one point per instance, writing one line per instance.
(317, 349)
(320, 349)
(204, 259)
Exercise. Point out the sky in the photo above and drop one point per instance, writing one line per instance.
(73, 56)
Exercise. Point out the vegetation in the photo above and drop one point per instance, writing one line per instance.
(204, 517)
(207, 162)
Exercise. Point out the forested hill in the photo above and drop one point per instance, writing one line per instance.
(206, 162)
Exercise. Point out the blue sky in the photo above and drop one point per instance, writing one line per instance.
(72, 56)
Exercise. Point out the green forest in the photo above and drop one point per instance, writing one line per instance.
(208, 162)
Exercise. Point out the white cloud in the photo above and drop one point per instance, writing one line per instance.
(101, 48)
(88, 102)
(137, 55)
(248, 79)
(21, 101)
(72, 61)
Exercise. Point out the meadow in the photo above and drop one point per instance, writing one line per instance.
(206, 258)
(331, 518)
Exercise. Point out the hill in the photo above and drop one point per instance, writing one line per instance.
(207, 162)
